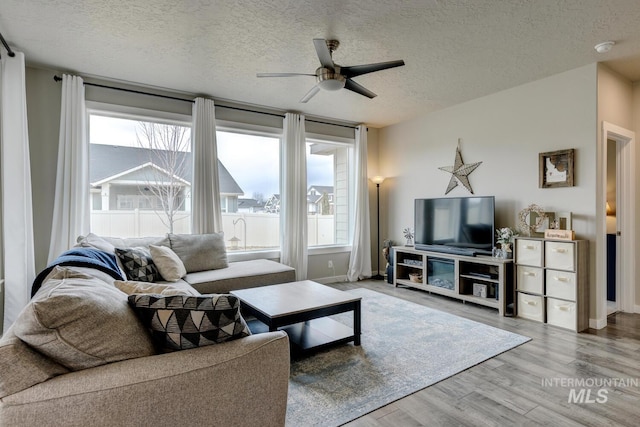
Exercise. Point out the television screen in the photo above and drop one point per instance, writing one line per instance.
(462, 225)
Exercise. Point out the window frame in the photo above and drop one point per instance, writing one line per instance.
(267, 131)
(350, 144)
(159, 116)
(132, 113)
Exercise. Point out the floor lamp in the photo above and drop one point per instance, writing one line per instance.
(377, 180)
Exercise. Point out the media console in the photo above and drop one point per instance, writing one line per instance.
(480, 279)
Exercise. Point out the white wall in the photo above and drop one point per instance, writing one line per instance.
(43, 115)
(505, 131)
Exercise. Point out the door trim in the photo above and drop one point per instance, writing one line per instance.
(626, 203)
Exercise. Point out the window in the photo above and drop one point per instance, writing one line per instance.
(249, 175)
(140, 180)
(328, 189)
(140, 174)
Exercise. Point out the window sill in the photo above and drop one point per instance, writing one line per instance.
(321, 250)
(275, 254)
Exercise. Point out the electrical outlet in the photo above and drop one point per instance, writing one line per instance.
(330, 265)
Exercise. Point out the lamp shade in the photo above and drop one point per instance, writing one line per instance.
(377, 179)
(610, 211)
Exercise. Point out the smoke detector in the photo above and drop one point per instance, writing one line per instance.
(604, 47)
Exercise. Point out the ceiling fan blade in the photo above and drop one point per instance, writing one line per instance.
(357, 88)
(310, 94)
(324, 55)
(358, 70)
(282, 74)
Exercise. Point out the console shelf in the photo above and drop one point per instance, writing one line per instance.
(483, 280)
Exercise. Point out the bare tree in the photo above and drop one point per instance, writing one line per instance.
(258, 196)
(167, 146)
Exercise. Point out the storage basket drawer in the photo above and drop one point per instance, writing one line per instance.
(530, 307)
(529, 252)
(559, 255)
(561, 313)
(561, 284)
(530, 279)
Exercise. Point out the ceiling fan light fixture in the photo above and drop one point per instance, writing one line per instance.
(329, 80)
(332, 85)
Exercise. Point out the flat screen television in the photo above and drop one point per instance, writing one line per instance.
(458, 225)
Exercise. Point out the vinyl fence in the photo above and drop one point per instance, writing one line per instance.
(250, 231)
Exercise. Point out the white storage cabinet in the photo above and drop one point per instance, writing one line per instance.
(552, 282)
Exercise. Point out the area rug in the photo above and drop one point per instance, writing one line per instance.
(405, 348)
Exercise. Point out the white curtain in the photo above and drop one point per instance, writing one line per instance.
(293, 195)
(206, 214)
(360, 260)
(71, 206)
(17, 212)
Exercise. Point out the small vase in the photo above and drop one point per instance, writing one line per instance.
(507, 253)
(409, 241)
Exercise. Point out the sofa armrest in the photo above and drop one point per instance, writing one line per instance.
(241, 382)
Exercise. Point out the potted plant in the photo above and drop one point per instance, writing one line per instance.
(504, 237)
(408, 234)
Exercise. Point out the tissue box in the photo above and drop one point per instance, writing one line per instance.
(479, 290)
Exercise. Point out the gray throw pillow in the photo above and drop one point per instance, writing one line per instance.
(22, 366)
(200, 252)
(81, 322)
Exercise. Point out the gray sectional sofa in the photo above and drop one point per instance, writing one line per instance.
(199, 252)
(77, 355)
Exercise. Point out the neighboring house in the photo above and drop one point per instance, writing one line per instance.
(120, 178)
(250, 206)
(272, 205)
(320, 200)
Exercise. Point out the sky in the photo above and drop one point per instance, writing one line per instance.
(251, 160)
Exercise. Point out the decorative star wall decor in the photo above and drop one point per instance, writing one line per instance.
(459, 172)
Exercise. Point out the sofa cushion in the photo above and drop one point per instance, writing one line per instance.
(241, 275)
(174, 288)
(137, 242)
(200, 252)
(81, 322)
(181, 322)
(138, 264)
(22, 366)
(169, 265)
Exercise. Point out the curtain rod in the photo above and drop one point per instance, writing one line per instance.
(59, 79)
(6, 46)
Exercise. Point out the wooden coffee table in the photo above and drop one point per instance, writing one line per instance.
(301, 310)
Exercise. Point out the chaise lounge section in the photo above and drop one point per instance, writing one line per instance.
(205, 260)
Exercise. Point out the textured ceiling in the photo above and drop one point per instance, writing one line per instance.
(455, 50)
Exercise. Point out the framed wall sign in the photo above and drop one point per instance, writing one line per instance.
(556, 169)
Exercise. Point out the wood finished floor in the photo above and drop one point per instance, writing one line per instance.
(507, 390)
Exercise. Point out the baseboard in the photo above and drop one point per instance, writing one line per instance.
(331, 279)
(597, 323)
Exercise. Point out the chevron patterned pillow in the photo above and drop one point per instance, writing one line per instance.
(180, 322)
(138, 264)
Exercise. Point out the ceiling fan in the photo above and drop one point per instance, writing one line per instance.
(331, 76)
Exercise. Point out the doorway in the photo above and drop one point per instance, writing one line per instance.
(612, 230)
(620, 143)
